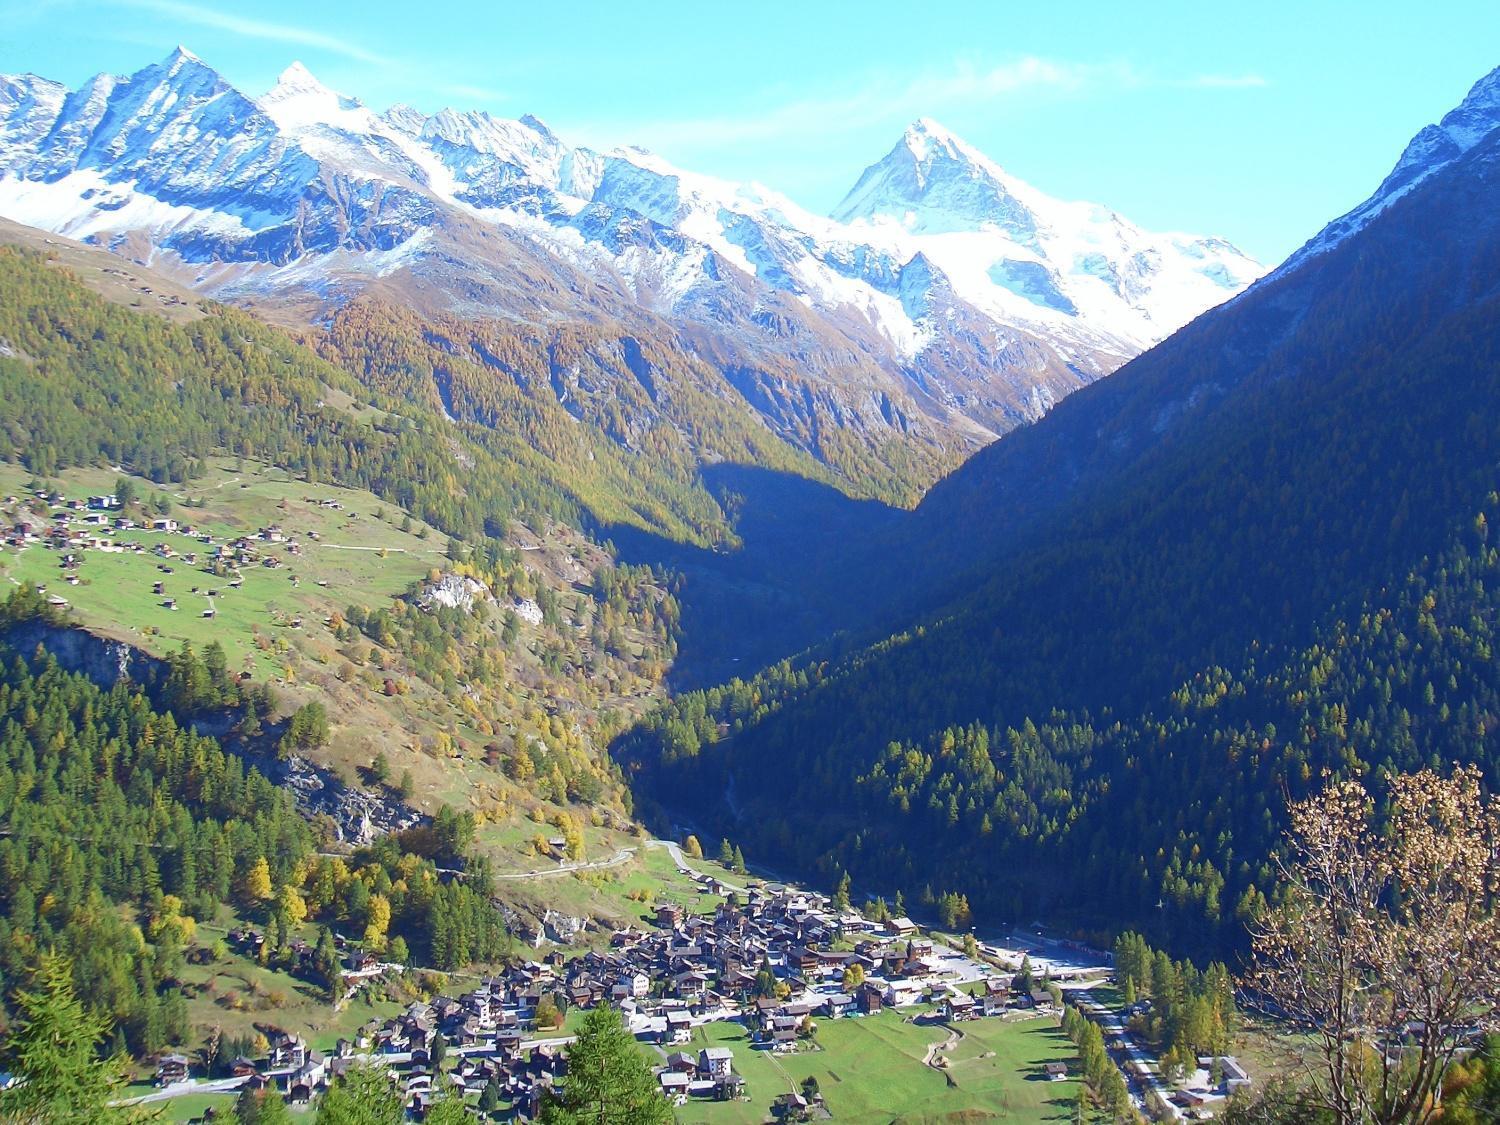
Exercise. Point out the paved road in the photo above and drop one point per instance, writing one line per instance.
(613, 861)
(187, 1089)
(1145, 1069)
(573, 865)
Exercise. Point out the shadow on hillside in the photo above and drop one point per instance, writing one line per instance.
(807, 566)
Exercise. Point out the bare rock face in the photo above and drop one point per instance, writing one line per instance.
(106, 662)
(453, 591)
(359, 816)
(562, 928)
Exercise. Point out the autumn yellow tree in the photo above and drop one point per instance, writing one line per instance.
(292, 905)
(379, 921)
(257, 884)
(1385, 943)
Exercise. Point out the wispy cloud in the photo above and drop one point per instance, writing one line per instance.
(256, 29)
(882, 98)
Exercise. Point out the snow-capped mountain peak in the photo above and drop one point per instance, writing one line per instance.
(941, 275)
(299, 100)
(931, 181)
(1431, 150)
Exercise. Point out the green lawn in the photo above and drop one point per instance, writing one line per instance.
(115, 594)
(870, 1069)
(236, 993)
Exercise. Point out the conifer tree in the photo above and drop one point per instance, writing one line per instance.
(53, 1054)
(608, 1081)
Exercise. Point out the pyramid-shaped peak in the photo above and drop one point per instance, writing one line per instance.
(926, 138)
(299, 100)
(298, 79)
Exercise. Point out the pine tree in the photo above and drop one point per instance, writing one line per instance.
(608, 1082)
(364, 1096)
(53, 1054)
(489, 1099)
(841, 894)
(447, 1108)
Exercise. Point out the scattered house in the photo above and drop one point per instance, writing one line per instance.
(996, 998)
(900, 993)
(242, 1067)
(1057, 1071)
(1235, 1076)
(171, 1069)
(164, 524)
(789, 1106)
(838, 1005)
(957, 1006)
(715, 1063)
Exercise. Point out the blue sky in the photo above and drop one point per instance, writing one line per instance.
(1255, 121)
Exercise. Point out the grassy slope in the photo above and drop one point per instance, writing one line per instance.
(871, 1069)
(253, 623)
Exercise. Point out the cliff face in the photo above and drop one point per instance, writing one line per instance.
(104, 661)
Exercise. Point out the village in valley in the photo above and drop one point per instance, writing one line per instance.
(757, 1008)
(751, 1000)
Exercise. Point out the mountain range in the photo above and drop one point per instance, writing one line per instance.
(944, 302)
(1258, 551)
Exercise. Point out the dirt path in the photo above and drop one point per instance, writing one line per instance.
(942, 1048)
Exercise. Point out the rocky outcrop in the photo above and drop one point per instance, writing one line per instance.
(102, 660)
(358, 815)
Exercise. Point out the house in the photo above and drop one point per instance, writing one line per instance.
(957, 1006)
(789, 1107)
(899, 993)
(288, 1051)
(679, 1026)
(869, 999)
(1057, 1071)
(635, 985)
(996, 998)
(171, 1069)
(1235, 1075)
(668, 915)
(307, 1080)
(674, 1084)
(103, 503)
(900, 927)
(242, 1067)
(164, 524)
(715, 1063)
(838, 1005)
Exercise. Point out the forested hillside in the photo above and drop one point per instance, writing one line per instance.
(86, 380)
(1296, 459)
(124, 828)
